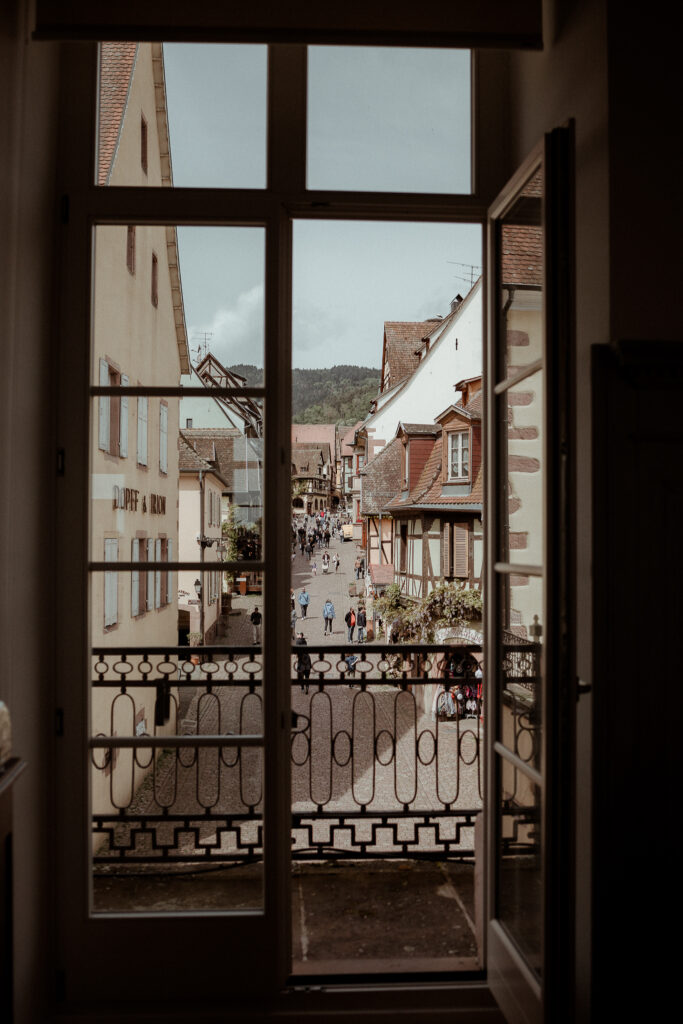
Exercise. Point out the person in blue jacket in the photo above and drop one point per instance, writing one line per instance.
(328, 615)
(303, 602)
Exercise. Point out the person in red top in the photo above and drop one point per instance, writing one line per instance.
(350, 620)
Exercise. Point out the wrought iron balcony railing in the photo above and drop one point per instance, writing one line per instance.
(386, 752)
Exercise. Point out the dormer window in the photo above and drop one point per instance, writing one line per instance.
(459, 455)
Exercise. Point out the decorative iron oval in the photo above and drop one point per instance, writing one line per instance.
(122, 667)
(307, 748)
(145, 667)
(209, 667)
(320, 665)
(167, 668)
(475, 740)
(100, 667)
(347, 736)
(230, 667)
(251, 667)
(187, 667)
(426, 732)
(392, 746)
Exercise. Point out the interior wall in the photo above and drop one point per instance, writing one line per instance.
(28, 119)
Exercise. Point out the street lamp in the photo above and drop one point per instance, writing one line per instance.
(198, 588)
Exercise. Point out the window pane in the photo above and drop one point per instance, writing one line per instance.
(205, 105)
(208, 318)
(168, 810)
(521, 600)
(520, 879)
(389, 120)
(523, 471)
(521, 277)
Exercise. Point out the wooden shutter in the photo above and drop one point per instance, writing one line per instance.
(461, 536)
(169, 574)
(103, 439)
(135, 579)
(123, 423)
(142, 430)
(111, 580)
(150, 575)
(163, 437)
(157, 574)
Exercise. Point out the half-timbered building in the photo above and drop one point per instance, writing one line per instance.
(437, 516)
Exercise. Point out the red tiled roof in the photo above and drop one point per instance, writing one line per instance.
(117, 61)
(314, 433)
(522, 255)
(347, 440)
(381, 478)
(401, 339)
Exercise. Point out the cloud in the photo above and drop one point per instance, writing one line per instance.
(237, 330)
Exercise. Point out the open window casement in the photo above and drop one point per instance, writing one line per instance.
(529, 604)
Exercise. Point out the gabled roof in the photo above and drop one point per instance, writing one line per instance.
(381, 478)
(314, 433)
(346, 444)
(190, 461)
(522, 255)
(469, 411)
(418, 429)
(222, 449)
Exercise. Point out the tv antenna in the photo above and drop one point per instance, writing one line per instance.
(202, 338)
(472, 272)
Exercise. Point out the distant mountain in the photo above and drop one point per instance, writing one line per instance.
(340, 394)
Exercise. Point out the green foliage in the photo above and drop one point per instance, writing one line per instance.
(338, 394)
(449, 604)
(243, 539)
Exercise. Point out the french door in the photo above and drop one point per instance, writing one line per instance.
(529, 598)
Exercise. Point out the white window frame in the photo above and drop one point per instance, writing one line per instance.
(111, 584)
(135, 578)
(163, 437)
(457, 448)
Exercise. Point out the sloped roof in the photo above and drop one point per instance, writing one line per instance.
(346, 444)
(222, 449)
(401, 340)
(315, 433)
(428, 429)
(189, 460)
(522, 255)
(117, 61)
(381, 478)
(381, 575)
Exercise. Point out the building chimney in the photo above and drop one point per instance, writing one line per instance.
(456, 302)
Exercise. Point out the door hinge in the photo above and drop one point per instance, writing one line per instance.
(60, 462)
(59, 722)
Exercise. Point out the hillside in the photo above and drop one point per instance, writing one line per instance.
(338, 394)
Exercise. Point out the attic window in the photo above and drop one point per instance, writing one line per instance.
(130, 249)
(459, 455)
(155, 280)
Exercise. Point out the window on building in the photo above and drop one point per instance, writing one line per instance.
(130, 249)
(403, 547)
(461, 550)
(163, 436)
(111, 583)
(111, 420)
(163, 575)
(155, 280)
(459, 455)
(143, 406)
(143, 144)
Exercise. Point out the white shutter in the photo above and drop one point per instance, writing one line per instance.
(135, 579)
(163, 438)
(157, 575)
(111, 580)
(103, 442)
(142, 430)
(169, 574)
(123, 422)
(150, 575)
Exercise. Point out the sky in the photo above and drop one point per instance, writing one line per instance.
(393, 119)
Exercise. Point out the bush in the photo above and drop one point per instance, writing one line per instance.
(449, 604)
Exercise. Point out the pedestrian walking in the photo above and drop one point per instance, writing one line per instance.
(356, 567)
(314, 568)
(361, 622)
(336, 561)
(350, 620)
(293, 622)
(303, 602)
(309, 550)
(303, 663)
(256, 625)
(328, 615)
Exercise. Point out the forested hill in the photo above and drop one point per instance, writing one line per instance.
(340, 394)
